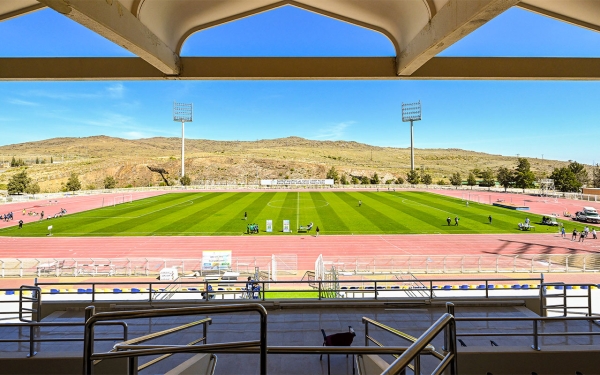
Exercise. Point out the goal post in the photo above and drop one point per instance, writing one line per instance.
(120, 199)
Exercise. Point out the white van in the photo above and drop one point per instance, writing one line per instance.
(588, 214)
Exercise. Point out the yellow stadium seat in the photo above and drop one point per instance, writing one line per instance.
(550, 287)
(454, 286)
(472, 286)
(576, 287)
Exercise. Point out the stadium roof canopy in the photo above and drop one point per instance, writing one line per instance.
(155, 31)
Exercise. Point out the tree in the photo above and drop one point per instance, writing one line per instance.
(32, 188)
(487, 177)
(355, 180)
(365, 180)
(565, 179)
(400, 180)
(596, 176)
(186, 180)
(413, 177)
(523, 177)
(471, 181)
(18, 183)
(456, 179)
(505, 177)
(110, 182)
(389, 182)
(73, 183)
(344, 180)
(427, 180)
(441, 182)
(580, 172)
(332, 174)
(375, 179)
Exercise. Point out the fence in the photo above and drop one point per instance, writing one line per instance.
(286, 264)
(432, 264)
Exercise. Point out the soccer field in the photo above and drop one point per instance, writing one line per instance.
(199, 214)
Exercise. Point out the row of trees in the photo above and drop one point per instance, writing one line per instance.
(21, 163)
(566, 179)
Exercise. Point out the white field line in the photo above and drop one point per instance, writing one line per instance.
(142, 215)
(298, 213)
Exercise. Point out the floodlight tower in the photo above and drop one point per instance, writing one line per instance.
(411, 112)
(183, 112)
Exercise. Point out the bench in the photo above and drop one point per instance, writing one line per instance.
(304, 229)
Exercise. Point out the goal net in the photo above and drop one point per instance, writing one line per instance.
(125, 198)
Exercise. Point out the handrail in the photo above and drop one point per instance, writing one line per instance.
(422, 342)
(35, 299)
(535, 333)
(366, 321)
(92, 319)
(204, 322)
(32, 325)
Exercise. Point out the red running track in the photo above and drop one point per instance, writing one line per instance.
(307, 248)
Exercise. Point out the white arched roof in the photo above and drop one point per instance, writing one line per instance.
(155, 30)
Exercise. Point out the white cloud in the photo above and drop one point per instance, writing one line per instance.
(135, 135)
(334, 132)
(21, 102)
(116, 90)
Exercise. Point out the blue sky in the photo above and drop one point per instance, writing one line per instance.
(556, 119)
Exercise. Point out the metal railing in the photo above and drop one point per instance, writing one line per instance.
(56, 267)
(455, 264)
(445, 323)
(129, 351)
(34, 333)
(310, 289)
(565, 297)
(22, 292)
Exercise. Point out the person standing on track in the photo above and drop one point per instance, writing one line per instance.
(562, 231)
(42, 216)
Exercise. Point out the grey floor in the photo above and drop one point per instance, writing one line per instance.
(302, 327)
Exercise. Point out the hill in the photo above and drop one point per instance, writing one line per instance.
(95, 158)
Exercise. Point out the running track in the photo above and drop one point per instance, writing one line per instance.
(307, 248)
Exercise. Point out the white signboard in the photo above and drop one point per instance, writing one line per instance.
(286, 226)
(269, 226)
(216, 260)
(296, 182)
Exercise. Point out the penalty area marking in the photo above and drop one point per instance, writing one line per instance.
(142, 215)
(278, 203)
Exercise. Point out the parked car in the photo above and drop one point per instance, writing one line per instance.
(588, 214)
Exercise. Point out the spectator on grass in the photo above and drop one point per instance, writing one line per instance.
(490, 218)
(359, 203)
(448, 220)
(456, 221)
(317, 231)
(245, 215)
(20, 224)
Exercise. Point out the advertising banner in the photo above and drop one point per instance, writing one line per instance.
(286, 226)
(296, 182)
(269, 226)
(216, 260)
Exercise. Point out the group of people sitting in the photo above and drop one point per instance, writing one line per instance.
(6, 217)
(526, 225)
(252, 228)
(58, 214)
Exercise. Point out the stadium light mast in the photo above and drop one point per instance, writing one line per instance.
(411, 112)
(183, 112)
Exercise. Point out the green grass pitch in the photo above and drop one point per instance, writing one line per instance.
(208, 213)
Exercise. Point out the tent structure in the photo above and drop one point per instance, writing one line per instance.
(155, 31)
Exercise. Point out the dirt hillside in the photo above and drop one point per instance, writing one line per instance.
(95, 158)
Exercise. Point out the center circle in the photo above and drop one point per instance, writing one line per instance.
(293, 204)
